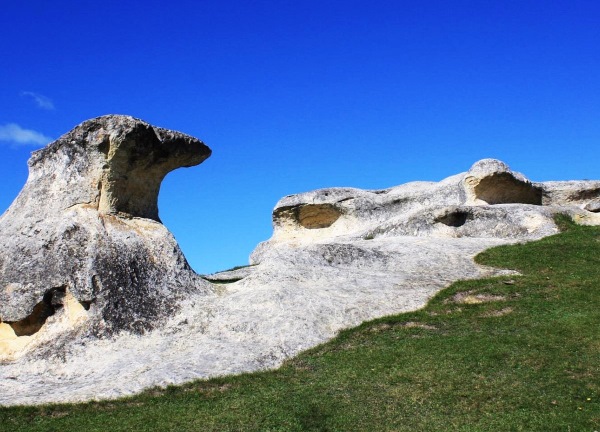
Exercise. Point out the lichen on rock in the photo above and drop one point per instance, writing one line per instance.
(86, 224)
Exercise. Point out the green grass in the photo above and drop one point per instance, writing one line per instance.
(526, 359)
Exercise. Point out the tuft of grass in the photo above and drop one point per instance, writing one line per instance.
(524, 357)
(564, 222)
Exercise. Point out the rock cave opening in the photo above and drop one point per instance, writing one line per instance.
(316, 216)
(454, 219)
(309, 216)
(503, 188)
(33, 322)
(586, 194)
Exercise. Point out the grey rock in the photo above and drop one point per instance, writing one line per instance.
(578, 192)
(593, 206)
(337, 257)
(86, 223)
(490, 181)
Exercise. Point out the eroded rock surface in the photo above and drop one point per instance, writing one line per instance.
(489, 201)
(337, 257)
(85, 229)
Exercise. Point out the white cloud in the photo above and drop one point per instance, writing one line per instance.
(41, 101)
(16, 135)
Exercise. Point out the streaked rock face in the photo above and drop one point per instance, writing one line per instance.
(84, 231)
(97, 301)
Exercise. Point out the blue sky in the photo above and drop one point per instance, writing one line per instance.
(294, 96)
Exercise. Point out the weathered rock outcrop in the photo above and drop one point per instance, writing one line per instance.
(102, 263)
(490, 181)
(83, 239)
(489, 201)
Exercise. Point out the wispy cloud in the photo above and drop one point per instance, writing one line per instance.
(15, 135)
(41, 101)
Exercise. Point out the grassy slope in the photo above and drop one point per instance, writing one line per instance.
(527, 359)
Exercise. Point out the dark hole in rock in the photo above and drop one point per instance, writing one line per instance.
(586, 194)
(315, 216)
(400, 201)
(503, 188)
(37, 318)
(104, 146)
(86, 304)
(454, 219)
(310, 216)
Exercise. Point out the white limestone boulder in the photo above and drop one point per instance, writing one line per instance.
(84, 235)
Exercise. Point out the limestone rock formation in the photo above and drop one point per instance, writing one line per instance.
(95, 255)
(488, 201)
(83, 239)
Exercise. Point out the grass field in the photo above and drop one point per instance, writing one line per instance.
(517, 353)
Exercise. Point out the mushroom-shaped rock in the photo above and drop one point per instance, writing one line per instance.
(85, 231)
(112, 163)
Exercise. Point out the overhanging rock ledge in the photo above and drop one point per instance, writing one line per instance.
(84, 237)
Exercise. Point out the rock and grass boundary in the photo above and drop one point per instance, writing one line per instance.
(518, 353)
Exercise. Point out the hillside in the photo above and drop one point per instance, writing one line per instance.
(500, 354)
(97, 301)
